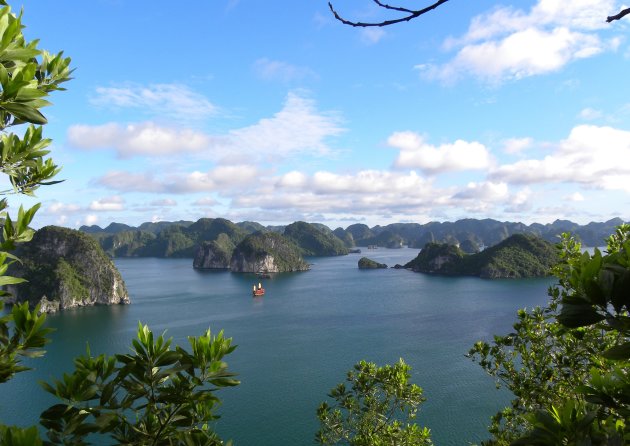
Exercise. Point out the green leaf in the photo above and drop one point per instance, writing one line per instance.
(576, 315)
(618, 352)
(24, 112)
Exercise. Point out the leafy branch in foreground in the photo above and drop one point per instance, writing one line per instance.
(154, 396)
(376, 410)
(567, 364)
(27, 76)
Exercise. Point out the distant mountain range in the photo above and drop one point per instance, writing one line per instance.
(183, 238)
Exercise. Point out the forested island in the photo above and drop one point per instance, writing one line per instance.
(64, 268)
(183, 238)
(519, 255)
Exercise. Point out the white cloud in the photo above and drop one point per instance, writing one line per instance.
(597, 157)
(114, 203)
(206, 201)
(590, 114)
(62, 208)
(91, 219)
(173, 100)
(293, 179)
(372, 36)
(485, 191)
(517, 145)
(511, 43)
(147, 138)
(220, 178)
(457, 156)
(576, 197)
(298, 128)
(131, 182)
(275, 70)
(166, 202)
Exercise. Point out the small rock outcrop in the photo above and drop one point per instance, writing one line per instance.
(65, 269)
(267, 252)
(365, 263)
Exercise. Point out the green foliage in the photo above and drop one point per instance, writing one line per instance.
(256, 247)
(375, 410)
(313, 241)
(22, 334)
(365, 263)
(567, 364)
(519, 255)
(64, 265)
(27, 76)
(17, 436)
(155, 395)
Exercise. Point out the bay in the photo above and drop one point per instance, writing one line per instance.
(300, 339)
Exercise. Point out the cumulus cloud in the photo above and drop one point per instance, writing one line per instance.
(457, 156)
(62, 208)
(276, 70)
(517, 145)
(91, 219)
(597, 157)
(484, 191)
(146, 138)
(220, 178)
(296, 129)
(173, 100)
(509, 43)
(113, 203)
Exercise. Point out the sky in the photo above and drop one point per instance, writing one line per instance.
(276, 112)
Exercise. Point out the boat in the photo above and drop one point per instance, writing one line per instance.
(258, 291)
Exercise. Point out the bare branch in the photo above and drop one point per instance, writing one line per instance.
(411, 14)
(622, 14)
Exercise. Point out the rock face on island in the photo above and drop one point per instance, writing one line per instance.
(365, 263)
(267, 252)
(517, 256)
(215, 254)
(314, 240)
(65, 269)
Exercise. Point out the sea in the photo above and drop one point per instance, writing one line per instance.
(298, 341)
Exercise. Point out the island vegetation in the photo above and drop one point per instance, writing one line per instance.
(267, 252)
(64, 268)
(517, 256)
(183, 238)
(365, 263)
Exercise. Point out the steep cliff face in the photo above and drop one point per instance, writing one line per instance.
(65, 269)
(267, 252)
(215, 254)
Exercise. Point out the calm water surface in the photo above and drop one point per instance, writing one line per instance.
(298, 341)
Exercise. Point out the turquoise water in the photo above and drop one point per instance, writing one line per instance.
(298, 341)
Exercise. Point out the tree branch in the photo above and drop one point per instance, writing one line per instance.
(622, 14)
(411, 14)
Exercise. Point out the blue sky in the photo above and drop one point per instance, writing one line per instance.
(275, 112)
